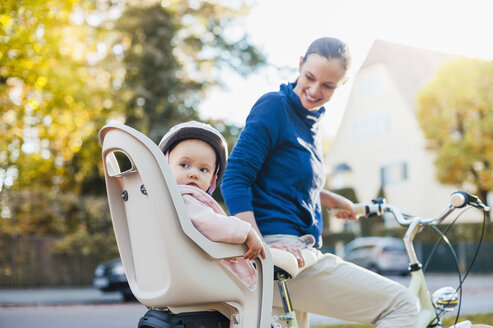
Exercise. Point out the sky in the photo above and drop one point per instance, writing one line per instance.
(283, 29)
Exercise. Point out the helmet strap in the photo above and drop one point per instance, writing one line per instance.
(212, 187)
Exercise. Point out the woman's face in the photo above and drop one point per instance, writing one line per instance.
(319, 77)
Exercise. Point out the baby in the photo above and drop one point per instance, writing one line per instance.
(197, 155)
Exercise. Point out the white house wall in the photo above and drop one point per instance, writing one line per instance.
(380, 129)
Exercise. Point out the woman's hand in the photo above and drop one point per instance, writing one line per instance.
(345, 212)
(334, 201)
(295, 250)
(255, 246)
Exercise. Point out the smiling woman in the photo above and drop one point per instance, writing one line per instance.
(274, 181)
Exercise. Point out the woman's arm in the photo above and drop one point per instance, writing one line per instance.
(257, 140)
(333, 200)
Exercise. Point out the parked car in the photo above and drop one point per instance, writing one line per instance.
(110, 277)
(384, 255)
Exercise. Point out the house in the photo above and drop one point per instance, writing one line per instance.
(379, 142)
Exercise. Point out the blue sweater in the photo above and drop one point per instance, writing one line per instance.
(276, 169)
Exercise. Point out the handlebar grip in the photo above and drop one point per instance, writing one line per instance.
(360, 209)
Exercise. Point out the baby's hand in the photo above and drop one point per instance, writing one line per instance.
(255, 246)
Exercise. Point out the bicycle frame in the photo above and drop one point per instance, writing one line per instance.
(418, 285)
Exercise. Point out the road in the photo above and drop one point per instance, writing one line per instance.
(86, 307)
(119, 315)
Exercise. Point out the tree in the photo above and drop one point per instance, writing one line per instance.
(50, 102)
(455, 111)
(172, 53)
(67, 67)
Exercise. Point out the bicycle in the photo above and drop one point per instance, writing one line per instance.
(445, 299)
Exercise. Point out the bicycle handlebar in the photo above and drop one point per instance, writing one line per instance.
(458, 199)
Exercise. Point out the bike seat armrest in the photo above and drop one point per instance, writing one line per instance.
(287, 261)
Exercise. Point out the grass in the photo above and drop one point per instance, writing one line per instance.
(486, 318)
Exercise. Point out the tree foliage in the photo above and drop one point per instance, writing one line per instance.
(173, 53)
(50, 103)
(67, 67)
(455, 111)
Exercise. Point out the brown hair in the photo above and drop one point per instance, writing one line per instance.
(330, 48)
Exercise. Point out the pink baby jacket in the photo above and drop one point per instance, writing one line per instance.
(211, 220)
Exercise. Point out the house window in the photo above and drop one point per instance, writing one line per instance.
(368, 85)
(371, 125)
(394, 173)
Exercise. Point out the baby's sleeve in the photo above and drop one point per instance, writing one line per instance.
(216, 227)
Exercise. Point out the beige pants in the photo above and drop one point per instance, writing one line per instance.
(342, 290)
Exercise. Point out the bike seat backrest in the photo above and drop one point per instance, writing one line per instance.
(151, 223)
(287, 261)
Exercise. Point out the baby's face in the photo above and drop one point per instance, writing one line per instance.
(193, 163)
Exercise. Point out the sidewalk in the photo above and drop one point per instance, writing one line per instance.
(56, 296)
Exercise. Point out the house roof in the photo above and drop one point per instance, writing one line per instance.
(409, 67)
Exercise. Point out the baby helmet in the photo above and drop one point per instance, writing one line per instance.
(201, 131)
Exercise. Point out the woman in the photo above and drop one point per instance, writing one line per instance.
(274, 180)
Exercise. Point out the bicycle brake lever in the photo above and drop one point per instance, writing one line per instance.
(481, 206)
(460, 199)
